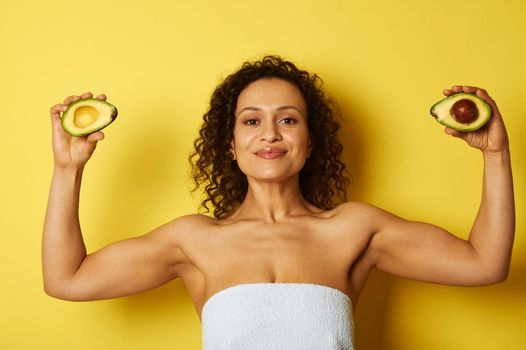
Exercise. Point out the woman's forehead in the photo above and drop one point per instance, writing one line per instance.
(271, 93)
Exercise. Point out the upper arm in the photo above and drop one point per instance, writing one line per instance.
(132, 265)
(424, 252)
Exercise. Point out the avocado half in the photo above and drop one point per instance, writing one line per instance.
(478, 111)
(85, 116)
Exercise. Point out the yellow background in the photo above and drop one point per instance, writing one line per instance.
(385, 62)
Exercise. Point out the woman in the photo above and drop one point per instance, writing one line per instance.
(283, 260)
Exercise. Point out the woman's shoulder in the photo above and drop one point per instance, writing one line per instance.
(192, 222)
(184, 227)
(361, 213)
(356, 208)
(188, 230)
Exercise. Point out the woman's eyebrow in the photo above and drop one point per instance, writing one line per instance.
(251, 108)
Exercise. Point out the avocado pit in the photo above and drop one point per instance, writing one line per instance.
(85, 116)
(464, 111)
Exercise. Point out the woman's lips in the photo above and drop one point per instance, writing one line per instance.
(270, 154)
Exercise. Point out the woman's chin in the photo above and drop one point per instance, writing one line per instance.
(271, 176)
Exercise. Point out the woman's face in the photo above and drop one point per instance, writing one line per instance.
(271, 137)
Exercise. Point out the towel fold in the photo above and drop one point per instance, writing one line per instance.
(263, 316)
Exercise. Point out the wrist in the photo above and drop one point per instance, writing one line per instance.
(66, 179)
(68, 169)
(503, 154)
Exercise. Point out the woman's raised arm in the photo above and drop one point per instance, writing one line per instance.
(426, 252)
(122, 268)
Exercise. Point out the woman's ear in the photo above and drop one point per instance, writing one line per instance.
(232, 150)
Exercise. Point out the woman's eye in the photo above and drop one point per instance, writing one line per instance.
(289, 120)
(286, 121)
(251, 122)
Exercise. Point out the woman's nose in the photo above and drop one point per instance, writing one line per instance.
(271, 133)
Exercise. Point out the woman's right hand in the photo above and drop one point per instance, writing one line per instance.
(71, 152)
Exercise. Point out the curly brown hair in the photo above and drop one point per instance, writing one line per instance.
(322, 180)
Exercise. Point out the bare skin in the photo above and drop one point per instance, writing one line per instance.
(275, 235)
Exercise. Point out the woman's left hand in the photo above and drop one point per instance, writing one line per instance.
(492, 137)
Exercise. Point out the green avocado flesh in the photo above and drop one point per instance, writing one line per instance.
(88, 115)
(475, 112)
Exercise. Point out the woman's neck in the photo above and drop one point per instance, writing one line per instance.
(272, 202)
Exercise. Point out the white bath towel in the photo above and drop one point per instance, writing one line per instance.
(265, 316)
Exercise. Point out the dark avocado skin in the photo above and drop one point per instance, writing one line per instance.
(113, 116)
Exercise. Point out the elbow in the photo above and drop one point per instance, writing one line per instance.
(495, 280)
(501, 277)
(54, 291)
(49, 288)
(61, 292)
(496, 277)
(490, 281)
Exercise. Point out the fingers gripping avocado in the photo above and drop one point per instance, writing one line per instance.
(85, 116)
(462, 112)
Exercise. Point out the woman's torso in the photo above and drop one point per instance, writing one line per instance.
(326, 248)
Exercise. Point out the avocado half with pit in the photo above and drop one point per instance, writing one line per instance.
(85, 116)
(462, 111)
